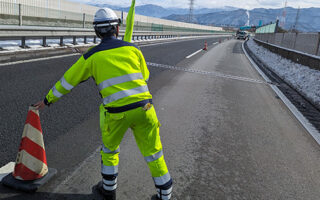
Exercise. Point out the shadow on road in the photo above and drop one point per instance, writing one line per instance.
(9, 194)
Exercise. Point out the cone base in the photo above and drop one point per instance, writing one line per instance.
(27, 186)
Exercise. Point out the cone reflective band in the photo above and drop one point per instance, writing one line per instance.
(31, 162)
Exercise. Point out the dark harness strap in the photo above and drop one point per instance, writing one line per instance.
(128, 107)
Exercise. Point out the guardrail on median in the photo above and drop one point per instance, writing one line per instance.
(304, 42)
(23, 33)
(311, 61)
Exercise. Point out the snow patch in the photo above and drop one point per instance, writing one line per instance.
(300, 77)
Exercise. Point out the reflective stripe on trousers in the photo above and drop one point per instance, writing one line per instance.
(109, 173)
(109, 170)
(154, 157)
(164, 190)
(106, 150)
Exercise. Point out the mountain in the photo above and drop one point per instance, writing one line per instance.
(160, 12)
(309, 18)
(308, 21)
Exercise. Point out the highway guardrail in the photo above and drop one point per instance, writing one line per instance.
(299, 57)
(43, 33)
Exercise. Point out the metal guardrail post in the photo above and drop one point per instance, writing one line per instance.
(74, 40)
(84, 20)
(85, 39)
(23, 42)
(20, 15)
(122, 17)
(61, 41)
(44, 41)
(95, 39)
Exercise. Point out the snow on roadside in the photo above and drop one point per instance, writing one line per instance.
(301, 77)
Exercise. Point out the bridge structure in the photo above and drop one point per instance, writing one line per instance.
(231, 127)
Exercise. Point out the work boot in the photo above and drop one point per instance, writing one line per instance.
(155, 197)
(107, 195)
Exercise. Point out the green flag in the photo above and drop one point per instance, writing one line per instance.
(130, 23)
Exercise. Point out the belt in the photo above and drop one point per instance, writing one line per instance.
(128, 107)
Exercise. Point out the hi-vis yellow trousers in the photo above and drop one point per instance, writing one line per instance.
(145, 126)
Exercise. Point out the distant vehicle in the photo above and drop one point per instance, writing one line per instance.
(241, 35)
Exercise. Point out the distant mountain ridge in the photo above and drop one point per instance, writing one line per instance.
(309, 20)
(160, 12)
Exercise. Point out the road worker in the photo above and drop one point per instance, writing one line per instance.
(121, 74)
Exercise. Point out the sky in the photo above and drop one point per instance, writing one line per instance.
(246, 4)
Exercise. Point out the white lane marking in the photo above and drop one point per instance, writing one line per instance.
(215, 43)
(304, 121)
(7, 169)
(38, 59)
(175, 40)
(189, 56)
(159, 43)
(214, 74)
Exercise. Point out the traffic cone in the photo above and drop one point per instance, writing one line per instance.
(31, 169)
(205, 46)
(31, 162)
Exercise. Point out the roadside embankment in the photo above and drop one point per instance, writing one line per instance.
(297, 56)
(303, 78)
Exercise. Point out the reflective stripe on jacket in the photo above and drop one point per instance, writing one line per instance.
(118, 68)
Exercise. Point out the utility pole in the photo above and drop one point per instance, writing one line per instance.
(191, 11)
(294, 28)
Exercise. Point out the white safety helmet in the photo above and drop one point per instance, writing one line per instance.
(105, 20)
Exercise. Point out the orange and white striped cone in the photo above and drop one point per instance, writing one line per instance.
(31, 162)
(205, 46)
(31, 170)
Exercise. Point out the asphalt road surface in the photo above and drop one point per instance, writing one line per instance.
(223, 138)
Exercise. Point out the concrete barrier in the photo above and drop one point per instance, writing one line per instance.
(278, 38)
(289, 40)
(307, 42)
(271, 38)
(311, 61)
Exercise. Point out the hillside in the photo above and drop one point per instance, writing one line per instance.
(309, 20)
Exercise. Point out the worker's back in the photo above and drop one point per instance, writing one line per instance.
(119, 71)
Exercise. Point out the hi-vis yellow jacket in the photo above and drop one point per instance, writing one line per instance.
(118, 68)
